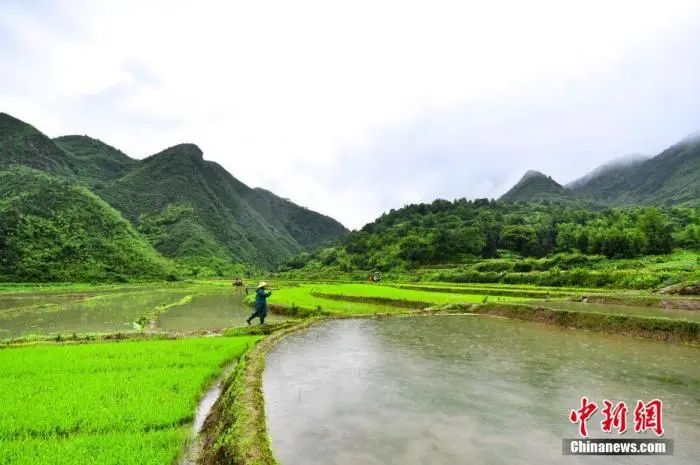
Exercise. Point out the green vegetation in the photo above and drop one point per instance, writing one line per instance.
(55, 230)
(94, 162)
(366, 298)
(191, 210)
(514, 243)
(94, 402)
(105, 403)
(536, 187)
(22, 144)
(237, 430)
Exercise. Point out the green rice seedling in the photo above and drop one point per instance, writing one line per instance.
(119, 402)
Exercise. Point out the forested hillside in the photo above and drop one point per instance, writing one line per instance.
(191, 210)
(214, 200)
(93, 161)
(536, 187)
(452, 232)
(22, 144)
(56, 230)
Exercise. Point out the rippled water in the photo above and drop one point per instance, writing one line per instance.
(465, 389)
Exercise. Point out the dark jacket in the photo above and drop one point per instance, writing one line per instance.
(261, 299)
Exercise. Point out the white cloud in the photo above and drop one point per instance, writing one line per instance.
(353, 108)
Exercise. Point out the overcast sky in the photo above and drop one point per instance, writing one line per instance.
(353, 108)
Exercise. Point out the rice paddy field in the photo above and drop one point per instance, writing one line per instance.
(70, 394)
(129, 402)
(374, 298)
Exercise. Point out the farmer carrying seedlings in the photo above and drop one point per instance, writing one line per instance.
(261, 296)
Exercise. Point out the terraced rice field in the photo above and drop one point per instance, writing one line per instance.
(128, 402)
(373, 298)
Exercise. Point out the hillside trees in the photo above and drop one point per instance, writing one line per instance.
(451, 232)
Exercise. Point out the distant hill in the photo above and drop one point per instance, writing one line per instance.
(307, 227)
(670, 178)
(536, 187)
(192, 210)
(52, 229)
(606, 175)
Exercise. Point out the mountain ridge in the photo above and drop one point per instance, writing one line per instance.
(672, 177)
(192, 209)
(535, 186)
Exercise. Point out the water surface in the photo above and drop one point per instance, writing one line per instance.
(102, 313)
(465, 389)
(221, 309)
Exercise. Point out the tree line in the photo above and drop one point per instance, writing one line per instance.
(451, 231)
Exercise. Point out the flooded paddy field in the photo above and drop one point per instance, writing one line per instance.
(211, 310)
(210, 306)
(216, 305)
(101, 313)
(465, 389)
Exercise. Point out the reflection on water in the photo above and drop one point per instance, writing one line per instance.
(210, 311)
(464, 389)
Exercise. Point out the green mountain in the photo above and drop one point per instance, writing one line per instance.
(307, 227)
(190, 209)
(670, 178)
(93, 161)
(22, 144)
(217, 201)
(606, 176)
(52, 229)
(536, 187)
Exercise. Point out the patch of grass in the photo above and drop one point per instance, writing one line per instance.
(126, 402)
(148, 319)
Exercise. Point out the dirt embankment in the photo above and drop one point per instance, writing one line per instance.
(652, 301)
(661, 329)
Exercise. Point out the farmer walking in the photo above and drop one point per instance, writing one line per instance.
(261, 296)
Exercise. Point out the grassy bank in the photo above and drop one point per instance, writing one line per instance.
(236, 431)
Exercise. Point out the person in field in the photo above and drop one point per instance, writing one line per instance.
(261, 295)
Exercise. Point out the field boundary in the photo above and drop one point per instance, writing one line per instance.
(236, 429)
(650, 301)
(661, 329)
(487, 292)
